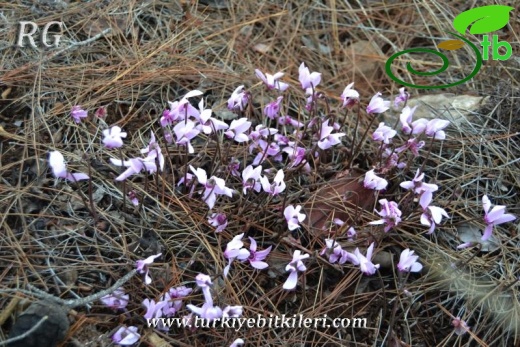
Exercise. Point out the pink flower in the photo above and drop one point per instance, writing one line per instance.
(256, 257)
(406, 118)
(237, 343)
(390, 213)
(288, 120)
(383, 133)
(434, 128)
(173, 298)
(180, 109)
(113, 137)
(235, 250)
(213, 187)
(413, 145)
(77, 113)
(402, 97)
(185, 132)
(59, 169)
(408, 262)
(153, 309)
(293, 216)
(208, 123)
(372, 181)
(365, 264)
(251, 178)
(307, 79)
(238, 100)
(277, 186)
(142, 267)
(349, 96)
(271, 81)
(207, 311)
(337, 254)
(327, 139)
(237, 128)
(134, 165)
(426, 190)
(495, 217)
(272, 109)
(293, 267)
(153, 151)
(232, 311)
(460, 326)
(377, 104)
(126, 336)
(117, 300)
(432, 215)
(218, 220)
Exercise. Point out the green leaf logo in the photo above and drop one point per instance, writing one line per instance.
(483, 19)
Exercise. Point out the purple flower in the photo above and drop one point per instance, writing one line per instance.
(293, 267)
(419, 187)
(134, 165)
(288, 120)
(59, 169)
(207, 311)
(113, 137)
(272, 109)
(251, 178)
(126, 336)
(327, 139)
(390, 213)
(349, 96)
(432, 215)
(434, 128)
(218, 220)
(402, 97)
(77, 113)
(460, 326)
(383, 133)
(406, 121)
(337, 254)
(365, 263)
(308, 79)
(213, 186)
(237, 343)
(495, 217)
(208, 123)
(277, 186)
(238, 99)
(153, 152)
(237, 128)
(180, 109)
(372, 181)
(185, 132)
(271, 81)
(256, 257)
(153, 309)
(173, 299)
(293, 216)
(235, 250)
(142, 267)
(413, 145)
(232, 311)
(408, 262)
(117, 300)
(377, 104)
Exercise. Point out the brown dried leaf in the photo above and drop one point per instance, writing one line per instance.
(343, 197)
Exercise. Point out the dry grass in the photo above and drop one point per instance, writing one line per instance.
(157, 51)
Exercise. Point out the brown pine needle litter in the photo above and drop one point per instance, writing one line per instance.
(129, 58)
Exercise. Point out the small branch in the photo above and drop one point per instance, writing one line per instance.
(25, 334)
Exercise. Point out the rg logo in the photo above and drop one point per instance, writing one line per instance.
(43, 38)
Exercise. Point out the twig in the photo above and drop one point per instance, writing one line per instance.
(25, 334)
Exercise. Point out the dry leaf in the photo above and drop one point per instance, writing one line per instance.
(343, 197)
